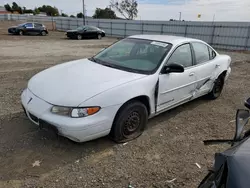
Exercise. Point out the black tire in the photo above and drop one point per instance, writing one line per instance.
(43, 33)
(20, 32)
(217, 88)
(79, 37)
(130, 122)
(99, 36)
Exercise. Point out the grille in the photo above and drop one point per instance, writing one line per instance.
(47, 126)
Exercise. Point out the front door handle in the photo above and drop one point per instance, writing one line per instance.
(217, 66)
(191, 74)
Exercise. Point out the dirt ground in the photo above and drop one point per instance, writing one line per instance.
(167, 150)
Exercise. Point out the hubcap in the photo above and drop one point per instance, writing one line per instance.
(99, 36)
(131, 124)
(79, 37)
(43, 33)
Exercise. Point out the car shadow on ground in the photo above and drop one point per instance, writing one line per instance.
(173, 112)
(22, 143)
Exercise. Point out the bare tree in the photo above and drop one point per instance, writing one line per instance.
(127, 8)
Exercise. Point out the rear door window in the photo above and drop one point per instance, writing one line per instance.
(201, 52)
(37, 25)
(93, 28)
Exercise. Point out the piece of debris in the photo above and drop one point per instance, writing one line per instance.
(161, 135)
(170, 181)
(125, 144)
(57, 180)
(130, 186)
(36, 163)
(77, 161)
(198, 165)
(232, 121)
(33, 175)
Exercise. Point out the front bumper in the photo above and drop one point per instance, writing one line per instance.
(12, 31)
(228, 73)
(71, 35)
(76, 129)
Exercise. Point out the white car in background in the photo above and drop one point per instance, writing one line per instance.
(115, 92)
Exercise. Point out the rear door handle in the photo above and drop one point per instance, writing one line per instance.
(191, 74)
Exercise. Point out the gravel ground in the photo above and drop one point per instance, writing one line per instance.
(167, 150)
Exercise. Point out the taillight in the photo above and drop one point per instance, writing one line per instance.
(229, 60)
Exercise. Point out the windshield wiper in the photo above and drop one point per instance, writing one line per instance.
(102, 62)
(92, 59)
(109, 65)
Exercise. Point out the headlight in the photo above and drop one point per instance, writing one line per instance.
(74, 112)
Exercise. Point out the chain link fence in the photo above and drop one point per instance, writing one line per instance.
(221, 35)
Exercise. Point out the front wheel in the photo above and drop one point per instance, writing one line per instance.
(130, 122)
(20, 32)
(79, 37)
(217, 88)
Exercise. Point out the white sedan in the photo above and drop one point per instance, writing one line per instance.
(116, 91)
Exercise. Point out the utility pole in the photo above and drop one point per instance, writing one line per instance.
(83, 12)
(180, 17)
(214, 18)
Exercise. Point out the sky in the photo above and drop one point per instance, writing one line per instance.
(220, 10)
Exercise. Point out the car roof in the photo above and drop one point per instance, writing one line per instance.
(175, 40)
(31, 23)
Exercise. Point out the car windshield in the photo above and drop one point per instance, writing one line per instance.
(134, 55)
(22, 24)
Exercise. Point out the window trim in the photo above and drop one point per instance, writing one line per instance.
(192, 54)
(210, 57)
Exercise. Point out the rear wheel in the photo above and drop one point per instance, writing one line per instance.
(43, 33)
(20, 32)
(79, 37)
(130, 122)
(99, 36)
(218, 87)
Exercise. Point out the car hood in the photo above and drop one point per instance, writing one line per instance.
(237, 160)
(13, 27)
(72, 83)
(71, 31)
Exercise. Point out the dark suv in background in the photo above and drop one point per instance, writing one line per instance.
(29, 29)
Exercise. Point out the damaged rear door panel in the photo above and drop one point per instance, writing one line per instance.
(207, 68)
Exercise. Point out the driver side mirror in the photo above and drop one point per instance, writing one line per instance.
(173, 67)
(247, 103)
(242, 118)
